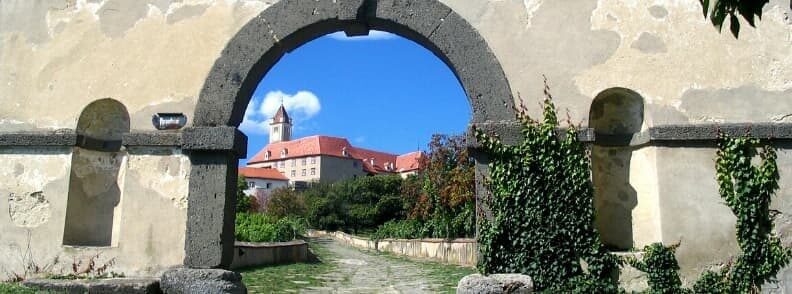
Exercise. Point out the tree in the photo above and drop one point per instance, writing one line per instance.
(750, 10)
(443, 195)
(243, 200)
(284, 202)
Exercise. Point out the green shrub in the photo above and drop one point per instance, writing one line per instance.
(285, 202)
(243, 202)
(399, 229)
(254, 227)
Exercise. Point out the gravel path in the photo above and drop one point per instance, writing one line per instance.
(363, 272)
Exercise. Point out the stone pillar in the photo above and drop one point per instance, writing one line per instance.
(211, 206)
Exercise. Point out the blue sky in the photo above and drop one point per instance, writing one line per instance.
(381, 92)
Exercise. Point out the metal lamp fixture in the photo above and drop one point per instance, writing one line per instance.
(169, 121)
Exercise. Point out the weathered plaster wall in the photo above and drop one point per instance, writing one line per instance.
(693, 213)
(150, 55)
(665, 50)
(34, 183)
(154, 55)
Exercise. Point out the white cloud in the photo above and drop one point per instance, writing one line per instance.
(301, 107)
(372, 36)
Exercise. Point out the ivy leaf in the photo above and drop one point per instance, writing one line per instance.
(705, 7)
(735, 25)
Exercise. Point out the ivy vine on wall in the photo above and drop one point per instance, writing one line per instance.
(542, 216)
(542, 208)
(748, 190)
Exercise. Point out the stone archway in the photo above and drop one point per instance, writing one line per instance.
(214, 142)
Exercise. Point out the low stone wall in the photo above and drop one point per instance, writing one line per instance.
(452, 251)
(247, 254)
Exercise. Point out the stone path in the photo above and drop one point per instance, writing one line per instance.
(359, 271)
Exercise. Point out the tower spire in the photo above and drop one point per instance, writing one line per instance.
(281, 126)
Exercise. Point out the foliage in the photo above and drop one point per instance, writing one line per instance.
(399, 229)
(661, 267)
(243, 200)
(255, 227)
(285, 202)
(748, 190)
(713, 282)
(441, 199)
(542, 207)
(355, 204)
(750, 10)
(442, 196)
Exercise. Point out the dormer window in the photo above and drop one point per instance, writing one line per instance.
(267, 155)
(371, 161)
(284, 152)
(344, 152)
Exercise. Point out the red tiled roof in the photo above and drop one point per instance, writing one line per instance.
(410, 162)
(333, 146)
(262, 173)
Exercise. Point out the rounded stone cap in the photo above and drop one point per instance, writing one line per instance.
(497, 283)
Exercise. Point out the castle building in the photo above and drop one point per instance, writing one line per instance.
(326, 158)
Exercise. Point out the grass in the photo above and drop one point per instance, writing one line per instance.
(446, 276)
(290, 277)
(16, 288)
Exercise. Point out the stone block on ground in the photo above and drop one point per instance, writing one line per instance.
(186, 280)
(119, 285)
(497, 283)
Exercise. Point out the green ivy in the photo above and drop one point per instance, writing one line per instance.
(661, 268)
(748, 190)
(542, 208)
(713, 282)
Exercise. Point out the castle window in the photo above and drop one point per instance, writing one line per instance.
(282, 164)
(303, 172)
(344, 152)
(304, 161)
(313, 160)
(294, 173)
(267, 155)
(269, 185)
(293, 162)
(284, 152)
(313, 171)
